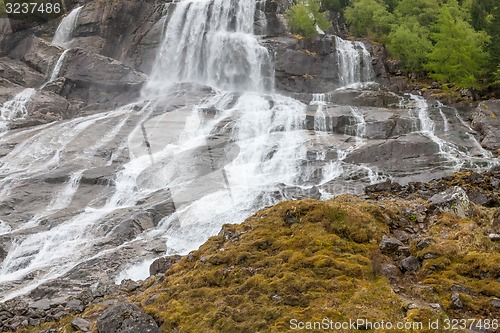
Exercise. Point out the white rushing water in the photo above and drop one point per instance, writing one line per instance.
(15, 109)
(212, 42)
(57, 68)
(354, 62)
(320, 125)
(64, 31)
(456, 156)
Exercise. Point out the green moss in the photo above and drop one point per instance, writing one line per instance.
(257, 276)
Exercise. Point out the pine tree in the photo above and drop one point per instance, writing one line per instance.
(305, 17)
(410, 42)
(458, 55)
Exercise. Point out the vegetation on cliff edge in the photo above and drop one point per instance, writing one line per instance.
(309, 260)
(455, 42)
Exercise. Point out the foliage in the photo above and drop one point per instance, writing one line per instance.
(458, 55)
(368, 18)
(304, 18)
(496, 77)
(335, 4)
(452, 41)
(410, 41)
(424, 11)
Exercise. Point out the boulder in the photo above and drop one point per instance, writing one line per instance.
(456, 301)
(81, 324)
(453, 200)
(406, 155)
(19, 73)
(43, 107)
(84, 68)
(410, 264)
(125, 318)
(486, 120)
(390, 244)
(38, 53)
(43, 304)
(161, 265)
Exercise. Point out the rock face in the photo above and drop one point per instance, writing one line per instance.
(162, 265)
(454, 200)
(124, 30)
(486, 120)
(97, 79)
(305, 66)
(126, 318)
(72, 165)
(37, 53)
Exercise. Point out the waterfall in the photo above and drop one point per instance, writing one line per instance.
(64, 31)
(320, 125)
(212, 42)
(360, 124)
(458, 157)
(15, 108)
(354, 62)
(57, 68)
(217, 154)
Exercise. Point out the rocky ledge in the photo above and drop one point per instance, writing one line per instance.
(413, 254)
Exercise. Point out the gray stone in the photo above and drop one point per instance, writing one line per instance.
(129, 285)
(496, 303)
(436, 306)
(454, 200)
(456, 301)
(390, 271)
(162, 265)
(20, 73)
(486, 120)
(410, 264)
(43, 304)
(75, 305)
(494, 237)
(422, 244)
(81, 324)
(126, 318)
(41, 55)
(390, 244)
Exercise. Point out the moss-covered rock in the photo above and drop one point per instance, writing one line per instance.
(309, 260)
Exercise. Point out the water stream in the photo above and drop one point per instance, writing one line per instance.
(210, 134)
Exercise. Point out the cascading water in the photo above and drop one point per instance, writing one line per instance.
(451, 152)
(212, 42)
(57, 68)
(210, 140)
(15, 108)
(64, 31)
(354, 62)
(320, 125)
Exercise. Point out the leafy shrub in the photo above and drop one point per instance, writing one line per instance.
(410, 42)
(305, 17)
(369, 18)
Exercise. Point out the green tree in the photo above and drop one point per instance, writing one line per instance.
(335, 4)
(493, 29)
(480, 11)
(410, 42)
(305, 17)
(369, 18)
(425, 11)
(458, 55)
